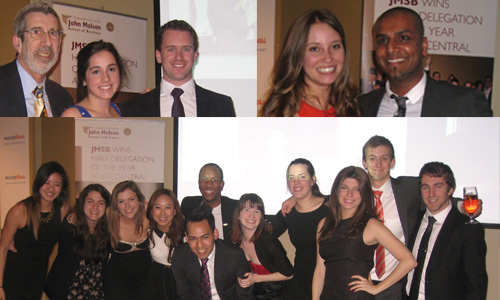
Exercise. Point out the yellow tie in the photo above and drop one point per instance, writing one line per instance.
(40, 110)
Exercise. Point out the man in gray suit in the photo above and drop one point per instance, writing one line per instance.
(400, 48)
(25, 90)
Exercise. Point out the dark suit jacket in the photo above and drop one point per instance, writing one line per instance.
(230, 263)
(457, 266)
(440, 100)
(227, 208)
(12, 103)
(208, 104)
(408, 202)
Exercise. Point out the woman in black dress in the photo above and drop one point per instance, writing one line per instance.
(302, 222)
(127, 271)
(267, 257)
(166, 232)
(347, 239)
(77, 272)
(33, 224)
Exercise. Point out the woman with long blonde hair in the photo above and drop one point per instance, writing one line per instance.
(128, 268)
(311, 76)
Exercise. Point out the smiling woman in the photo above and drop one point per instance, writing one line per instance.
(33, 224)
(311, 76)
(165, 234)
(100, 75)
(127, 272)
(77, 272)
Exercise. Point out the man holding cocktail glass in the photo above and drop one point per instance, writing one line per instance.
(451, 254)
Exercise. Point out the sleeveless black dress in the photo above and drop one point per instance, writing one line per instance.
(25, 271)
(126, 275)
(345, 257)
(302, 231)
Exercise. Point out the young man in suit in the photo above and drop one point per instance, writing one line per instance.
(25, 90)
(400, 48)
(211, 183)
(205, 267)
(452, 258)
(178, 95)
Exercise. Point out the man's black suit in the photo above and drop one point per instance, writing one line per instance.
(457, 265)
(208, 104)
(227, 208)
(230, 263)
(12, 103)
(440, 100)
(408, 202)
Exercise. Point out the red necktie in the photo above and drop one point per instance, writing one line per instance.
(380, 253)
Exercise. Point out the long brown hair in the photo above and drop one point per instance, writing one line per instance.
(91, 247)
(114, 214)
(175, 233)
(33, 203)
(364, 211)
(288, 85)
(254, 202)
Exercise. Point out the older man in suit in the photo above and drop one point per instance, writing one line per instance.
(178, 95)
(24, 89)
(211, 183)
(400, 48)
(207, 268)
(451, 254)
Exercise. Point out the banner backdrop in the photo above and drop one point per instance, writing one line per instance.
(82, 26)
(110, 151)
(15, 183)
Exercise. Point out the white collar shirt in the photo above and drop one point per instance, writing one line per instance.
(188, 98)
(393, 223)
(440, 218)
(389, 107)
(211, 274)
(217, 212)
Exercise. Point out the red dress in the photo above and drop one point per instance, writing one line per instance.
(307, 110)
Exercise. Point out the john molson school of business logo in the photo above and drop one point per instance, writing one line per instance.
(104, 132)
(79, 24)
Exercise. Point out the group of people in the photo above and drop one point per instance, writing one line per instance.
(482, 86)
(25, 90)
(310, 78)
(360, 242)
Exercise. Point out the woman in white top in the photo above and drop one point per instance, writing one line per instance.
(166, 232)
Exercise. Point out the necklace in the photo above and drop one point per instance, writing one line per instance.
(49, 217)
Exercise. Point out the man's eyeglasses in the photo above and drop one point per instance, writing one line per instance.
(38, 33)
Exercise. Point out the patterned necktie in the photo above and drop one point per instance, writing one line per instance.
(380, 252)
(177, 107)
(401, 105)
(206, 293)
(422, 252)
(40, 110)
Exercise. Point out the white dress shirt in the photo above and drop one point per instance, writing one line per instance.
(440, 218)
(211, 270)
(217, 212)
(188, 98)
(393, 223)
(388, 106)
